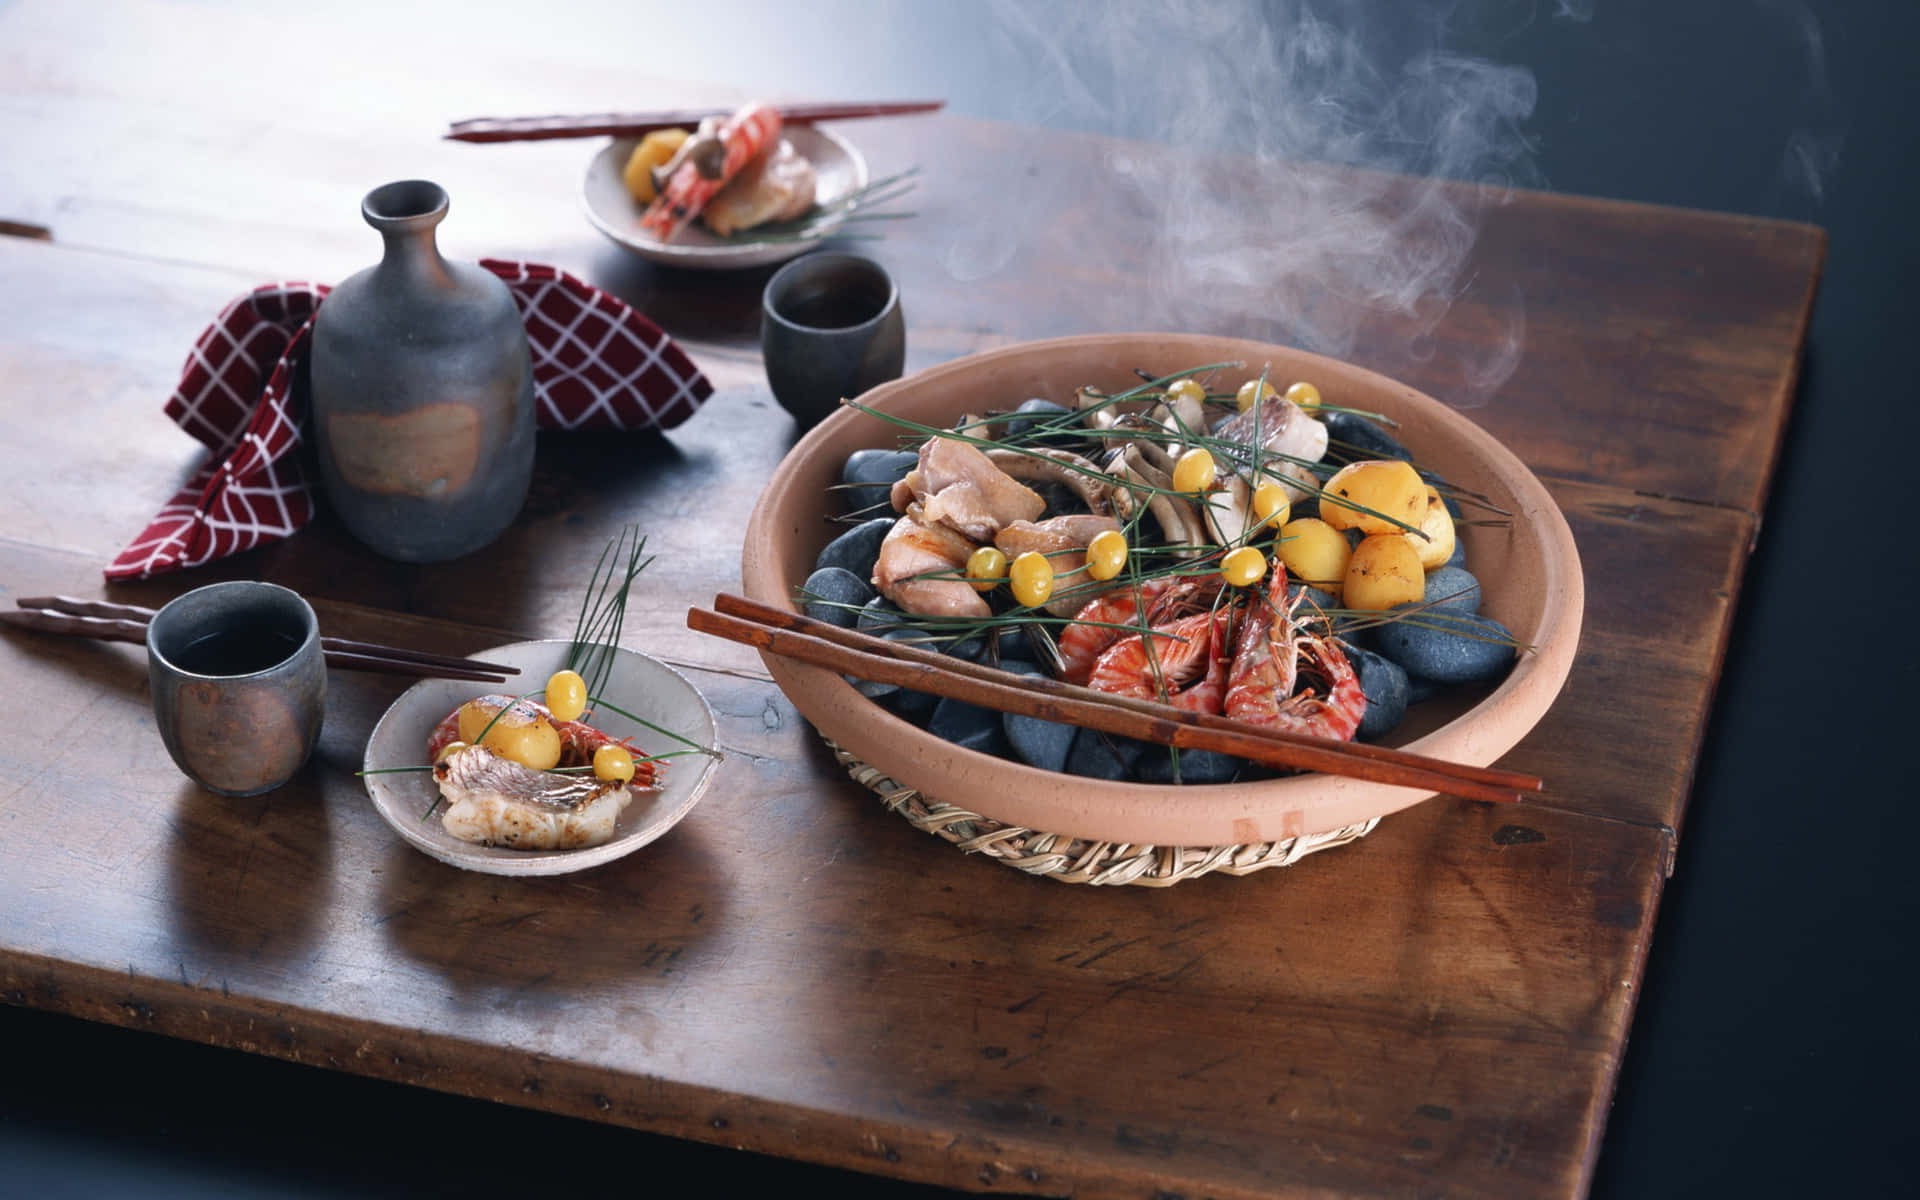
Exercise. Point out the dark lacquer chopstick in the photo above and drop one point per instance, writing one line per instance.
(527, 129)
(105, 621)
(852, 653)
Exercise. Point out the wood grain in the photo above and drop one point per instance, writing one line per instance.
(1444, 996)
(1439, 1008)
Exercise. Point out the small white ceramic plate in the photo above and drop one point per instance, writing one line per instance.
(643, 686)
(838, 167)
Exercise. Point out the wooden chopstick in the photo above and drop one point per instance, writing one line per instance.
(528, 129)
(102, 620)
(850, 652)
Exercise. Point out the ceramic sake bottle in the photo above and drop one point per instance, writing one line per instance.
(422, 391)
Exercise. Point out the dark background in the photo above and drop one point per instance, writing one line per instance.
(1774, 1041)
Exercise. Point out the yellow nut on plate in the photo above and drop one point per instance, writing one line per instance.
(521, 733)
(654, 150)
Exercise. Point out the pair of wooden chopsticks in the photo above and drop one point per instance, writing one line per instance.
(107, 622)
(530, 129)
(863, 656)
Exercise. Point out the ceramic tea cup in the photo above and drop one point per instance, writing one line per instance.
(239, 684)
(830, 328)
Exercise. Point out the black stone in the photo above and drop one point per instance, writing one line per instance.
(1362, 439)
(1453, 589)
(836, 595)
(1386, 688)
(1037, 413)
(1043, 744)
(1097, 755)
(879, 614)
(971, 726)
(1156, 765)
(857, 548)
(870, 476)
(1468, 649)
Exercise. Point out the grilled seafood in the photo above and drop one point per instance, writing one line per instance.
(777, 186)
(706, 166)
(1273, 654)
(1185, 663)
(497, 802)
(578, 740)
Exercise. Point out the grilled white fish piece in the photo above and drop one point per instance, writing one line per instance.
(497, 802)
(777, 186)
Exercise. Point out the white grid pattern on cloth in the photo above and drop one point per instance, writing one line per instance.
(599, 365)
(235, 396)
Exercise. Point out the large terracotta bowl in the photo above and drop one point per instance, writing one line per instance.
(1529, 573)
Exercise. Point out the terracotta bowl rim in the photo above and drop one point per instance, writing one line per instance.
(1154, 814)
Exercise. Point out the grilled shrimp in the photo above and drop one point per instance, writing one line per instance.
(744, 137)
(1272, 655)
(1186, 664)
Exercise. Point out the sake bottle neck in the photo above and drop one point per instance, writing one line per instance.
(405, 214)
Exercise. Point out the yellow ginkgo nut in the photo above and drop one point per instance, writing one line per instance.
(1305, 395)
(1252, 392)
(1031, 577)
(1186, 389)
(1193, 471)
(566, 695)
(613, 763)
(1106, 554)
(986, 568)
(1243, 567)
(1271, 504)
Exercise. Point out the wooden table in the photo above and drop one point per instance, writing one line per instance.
(1441, 1007)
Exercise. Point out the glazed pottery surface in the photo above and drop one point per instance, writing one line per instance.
(422, 384)
(1529, 570)
(831, 328)
(239, 684)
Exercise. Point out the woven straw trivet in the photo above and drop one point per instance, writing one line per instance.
(1077, 860)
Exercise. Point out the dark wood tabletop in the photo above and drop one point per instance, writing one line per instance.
(1443, 1007)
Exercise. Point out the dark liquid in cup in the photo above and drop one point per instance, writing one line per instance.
(839, 309)
(237, 651)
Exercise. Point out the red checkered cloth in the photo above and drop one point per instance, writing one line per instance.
(597, 364)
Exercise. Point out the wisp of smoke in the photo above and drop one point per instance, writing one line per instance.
(1421, 140)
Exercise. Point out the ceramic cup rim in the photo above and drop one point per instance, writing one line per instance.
(783, 282)
(158, 626)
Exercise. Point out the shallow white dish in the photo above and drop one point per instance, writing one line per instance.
(643, 686)
(839, 170)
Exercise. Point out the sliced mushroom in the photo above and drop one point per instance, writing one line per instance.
(1183, 417)
(1095, 489)
(1229, 511)
(1178, 520)
(1098, 416)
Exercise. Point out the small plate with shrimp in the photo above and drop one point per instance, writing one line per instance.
(838, 173)
(643, 707)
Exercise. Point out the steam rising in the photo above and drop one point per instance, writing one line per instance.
(1363, 265)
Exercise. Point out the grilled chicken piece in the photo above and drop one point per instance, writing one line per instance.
(912, 550)
(1064, 540)
(959, 487)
